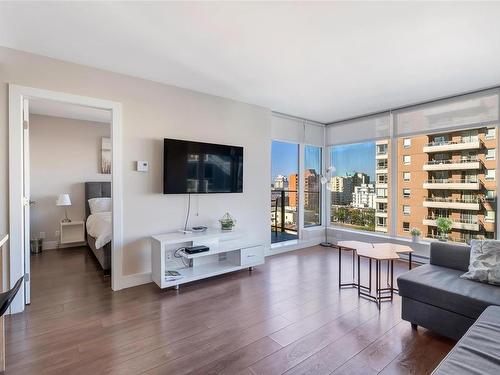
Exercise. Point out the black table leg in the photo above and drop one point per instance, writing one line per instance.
(409, 257)
(392, 279)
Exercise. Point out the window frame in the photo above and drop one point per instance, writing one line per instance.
(320, 185)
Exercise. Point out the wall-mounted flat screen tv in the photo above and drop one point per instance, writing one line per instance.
(197, 168)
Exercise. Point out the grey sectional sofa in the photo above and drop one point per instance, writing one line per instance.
(435, 297)
(478, 351)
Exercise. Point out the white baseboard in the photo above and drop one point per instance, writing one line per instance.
(50, 245)
(292, 246)
(136, 279)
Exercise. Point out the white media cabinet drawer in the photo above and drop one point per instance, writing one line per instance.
(252, 255)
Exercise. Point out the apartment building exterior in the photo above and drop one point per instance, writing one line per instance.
(382, 203)
(364, 196)
(450, 174)
(342, 188)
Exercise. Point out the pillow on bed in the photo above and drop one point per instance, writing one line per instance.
(99, 205)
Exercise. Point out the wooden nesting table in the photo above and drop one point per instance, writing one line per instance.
(378, 252)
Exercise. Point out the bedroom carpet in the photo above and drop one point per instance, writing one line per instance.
(287, 316)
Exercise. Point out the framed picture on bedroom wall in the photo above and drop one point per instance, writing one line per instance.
(106, 155)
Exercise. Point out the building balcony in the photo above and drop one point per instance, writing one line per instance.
(381, 170)
(460, 204)
(469, 144)
(466, 224)
(381, 155)
(381, 213)
(381, 199)
(380, 228)
(450, 165)
(450, 184)
(382, 185)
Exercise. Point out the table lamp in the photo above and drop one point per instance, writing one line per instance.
(65, 201)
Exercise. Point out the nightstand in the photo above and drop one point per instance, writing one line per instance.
(72, 232)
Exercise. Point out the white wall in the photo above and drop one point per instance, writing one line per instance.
(64, 154)
(151, 112)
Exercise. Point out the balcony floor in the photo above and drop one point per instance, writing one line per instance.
(282, 236)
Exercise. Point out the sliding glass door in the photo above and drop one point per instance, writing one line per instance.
(284, 191)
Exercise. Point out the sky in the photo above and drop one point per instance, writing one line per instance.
(358, 157)
(284, 159)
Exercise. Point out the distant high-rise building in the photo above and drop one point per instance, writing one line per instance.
(293, 187)
(311, 187)
(360, 178)
(342, 188)
(281, 182)
(364, 196)
(382, 186)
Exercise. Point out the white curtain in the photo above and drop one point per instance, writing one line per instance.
(289, 129)
(468, 110)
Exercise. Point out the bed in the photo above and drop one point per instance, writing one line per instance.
(101, 244)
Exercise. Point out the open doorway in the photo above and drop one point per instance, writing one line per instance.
(57, 117)
(68, 171)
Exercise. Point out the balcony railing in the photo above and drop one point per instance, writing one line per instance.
(280, 199)
(451, 200)
(459, 223)
(456, 184)
(464, 144)
(450, 164)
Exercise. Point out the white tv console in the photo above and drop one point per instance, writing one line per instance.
(229, 251)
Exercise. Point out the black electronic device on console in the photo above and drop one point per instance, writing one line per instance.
(196, 249)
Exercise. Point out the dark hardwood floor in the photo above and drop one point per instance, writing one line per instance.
(287, 316)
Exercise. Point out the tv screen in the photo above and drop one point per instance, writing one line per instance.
(195, 167)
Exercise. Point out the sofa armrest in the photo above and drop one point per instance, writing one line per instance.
(449, 255)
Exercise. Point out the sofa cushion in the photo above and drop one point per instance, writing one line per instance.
(484, 262)
(478, 351)
(442, 287)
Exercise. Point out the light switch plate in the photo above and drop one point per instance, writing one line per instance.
(142, 166)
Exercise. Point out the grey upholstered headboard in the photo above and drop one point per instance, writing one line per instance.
(96, 190)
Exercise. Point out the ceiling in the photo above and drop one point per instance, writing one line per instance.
(323, 61)
(65, 110)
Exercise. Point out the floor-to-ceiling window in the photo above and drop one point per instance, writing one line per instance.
(359, 187)
(312, 186)
(284, 191)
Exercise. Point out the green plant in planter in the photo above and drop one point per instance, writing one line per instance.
(444, 225)
(415, 232)
(227, 222)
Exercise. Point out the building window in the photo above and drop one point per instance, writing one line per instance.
(406, 159)
(490, 154)
(490, 217)
(491, 133)
(490, 175)
(406, 176)
(359, 184)
(406, 226)
(406, 210)
(491, 195)
(406, 193)
(312, 186)
(407, 142)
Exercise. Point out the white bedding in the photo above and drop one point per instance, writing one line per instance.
(99, 227)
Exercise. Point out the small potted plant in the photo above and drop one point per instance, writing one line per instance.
(444, 225)
(227, 222)
(415, 233)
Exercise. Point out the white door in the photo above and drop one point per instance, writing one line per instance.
(26, 200)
